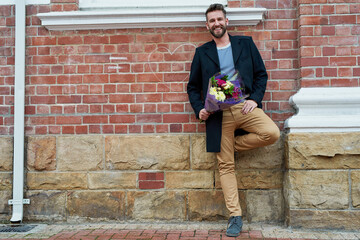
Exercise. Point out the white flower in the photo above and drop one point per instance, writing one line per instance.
(227, 85)
(213, 91)
(220, 96)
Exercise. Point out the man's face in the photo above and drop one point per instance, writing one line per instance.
(216, 23)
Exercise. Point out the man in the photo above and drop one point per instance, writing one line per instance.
(225, 54)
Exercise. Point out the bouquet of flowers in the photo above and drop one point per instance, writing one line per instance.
(224, 91)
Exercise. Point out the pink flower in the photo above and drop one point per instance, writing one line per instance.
(221, 82)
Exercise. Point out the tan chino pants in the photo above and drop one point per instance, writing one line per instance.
(262, 131)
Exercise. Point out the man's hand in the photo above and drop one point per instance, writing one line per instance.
(203, 114)
(249, 106)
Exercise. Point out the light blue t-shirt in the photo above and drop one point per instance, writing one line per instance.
(226, 60)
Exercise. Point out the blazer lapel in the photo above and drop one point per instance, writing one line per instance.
(236, 48)
(212, 53)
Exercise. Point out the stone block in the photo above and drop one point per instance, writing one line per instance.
(56, 181)
(268, 157)
(265, 205)
(154, 205)
(317, 189)
(96, 205)
(207, 206)
(112, 180)
(41, 153)
(256, 179)
(80, 153)
(4, 206)
(200, 159)
(190, 179)
(6, 153)
(45, 206)
(6, 181)
(147, 152)
(324, 219)
(355, 188)
(323, 150)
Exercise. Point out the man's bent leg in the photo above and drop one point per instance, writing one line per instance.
(262, 131)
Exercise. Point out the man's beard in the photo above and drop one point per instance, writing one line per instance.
(218, 35)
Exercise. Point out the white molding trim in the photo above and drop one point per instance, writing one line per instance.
(144, 18)
(27, 2)
(335, 109)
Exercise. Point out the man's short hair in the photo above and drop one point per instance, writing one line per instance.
(215, 7)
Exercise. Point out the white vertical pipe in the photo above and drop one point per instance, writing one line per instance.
(19, 108)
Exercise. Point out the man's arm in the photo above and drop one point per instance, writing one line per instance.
(260, 75)
(194, 86)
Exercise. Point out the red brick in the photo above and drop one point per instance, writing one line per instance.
(149, 38)
(97, 59)
(122, 98)
(44, 60)
(315, 83)
(328, 51)
(151, 176)
(313, 20)
(96, 78)
(149, 118)
(81, 129)
(344, 82)
(175, 128)
(327, 9)
(61, 120)
(175, 97)
(122, 78)
(134, 129)
(68, 129)
(327, 30)
(41, 120)
(150, 97)
(151, 184)
(356, 72)
(95, 119)
(69, 79)
(342, 19)
(95, 99)
(68, 99)
(96, 39)
(148, 129)
(69, 40)
(340, 41)
(120, 129)
(313, 41)
(343, 61)
(42, 99)
(94, 129)
(314, 61)
(108, 128)
(42, 41)
(71, 59)
(176, 118)
(122, 118)
(149, 77)
(330, 72)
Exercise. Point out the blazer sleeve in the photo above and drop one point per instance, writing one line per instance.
(194, 87)
(260, 76)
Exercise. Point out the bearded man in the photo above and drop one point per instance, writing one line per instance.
(227, 54)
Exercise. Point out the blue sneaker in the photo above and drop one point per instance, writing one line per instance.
(234, 227)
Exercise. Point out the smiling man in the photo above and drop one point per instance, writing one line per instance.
(225, 54)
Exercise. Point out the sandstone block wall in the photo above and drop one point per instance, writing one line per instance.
(321, 183)
(142, 178)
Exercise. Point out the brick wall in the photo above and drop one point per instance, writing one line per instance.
(130, 80)
(97, 102)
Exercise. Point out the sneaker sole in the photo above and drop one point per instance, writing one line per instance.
(232, 235)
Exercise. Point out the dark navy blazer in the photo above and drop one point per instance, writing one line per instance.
(247, 61)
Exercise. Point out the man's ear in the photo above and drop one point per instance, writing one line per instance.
(227, 21)
(207, 26)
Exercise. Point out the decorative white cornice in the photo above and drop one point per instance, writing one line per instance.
(144, 18)
(335, 109)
